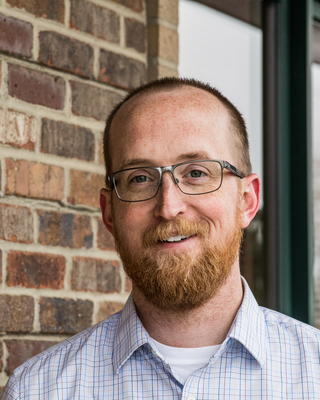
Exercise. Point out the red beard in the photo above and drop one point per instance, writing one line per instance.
(180, 281)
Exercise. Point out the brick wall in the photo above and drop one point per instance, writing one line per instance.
(63, 65)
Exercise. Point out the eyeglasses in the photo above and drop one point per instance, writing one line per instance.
(192, 178)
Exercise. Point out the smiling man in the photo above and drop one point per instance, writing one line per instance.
(179, 191)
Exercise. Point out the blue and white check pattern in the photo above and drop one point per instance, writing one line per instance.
(265, 355)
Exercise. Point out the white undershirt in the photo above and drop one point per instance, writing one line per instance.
(185, 361)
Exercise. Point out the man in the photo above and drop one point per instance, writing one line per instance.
(179, 192)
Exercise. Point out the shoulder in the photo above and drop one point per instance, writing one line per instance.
(85, 348)
(284, 329)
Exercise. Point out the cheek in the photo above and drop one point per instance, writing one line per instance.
(131, 220)
(220, 209)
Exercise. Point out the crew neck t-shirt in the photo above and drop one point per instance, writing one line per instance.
(185, 361)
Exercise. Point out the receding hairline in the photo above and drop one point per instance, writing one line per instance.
(140, 103)
(237, 123)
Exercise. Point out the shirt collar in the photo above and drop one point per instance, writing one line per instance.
(248, 327)
(130, 335)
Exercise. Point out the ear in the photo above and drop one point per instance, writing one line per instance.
(250, 198)
(105, 205)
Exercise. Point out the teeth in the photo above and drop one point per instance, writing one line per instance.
(176, 238)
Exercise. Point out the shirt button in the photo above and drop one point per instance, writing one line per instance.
(191, 398)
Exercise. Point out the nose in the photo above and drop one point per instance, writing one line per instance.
(170, 200)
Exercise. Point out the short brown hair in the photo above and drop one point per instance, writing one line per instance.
(168, 84)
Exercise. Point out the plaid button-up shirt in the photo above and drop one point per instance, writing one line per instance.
(265, 355)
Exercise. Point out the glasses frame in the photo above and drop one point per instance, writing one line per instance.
(171, 168)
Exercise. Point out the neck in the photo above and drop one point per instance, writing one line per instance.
(205, 326)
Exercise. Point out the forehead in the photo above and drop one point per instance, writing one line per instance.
(169, 122)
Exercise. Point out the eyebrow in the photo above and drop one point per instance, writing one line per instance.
(147, 162)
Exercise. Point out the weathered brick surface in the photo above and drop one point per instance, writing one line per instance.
(16, 36)
(65, 315)
(36, 87)
(67, 54)
(163, 42)
(51, 9)
(96, 20)
(19, 131)
(32, 179)
(35, 270)
(128, 284)
(107, 308)
(105, 240)
(1, 357)
(16, 313)
(100, 151)
(21, 350)
(159, 71)
(120, 70)
(135, 5)
(67, 140)
(95, 275)
(92, 101)
(0, 266)
(16, 223)
(62, 229)
(135, 34)
(164, 9)
(85, 188)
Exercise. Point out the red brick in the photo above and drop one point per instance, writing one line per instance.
(16, 36)
(120, 70)
(107, 308)
(67, 230)
(135, 5)
(21, 350)
(32, 179)
(95, 275)
(95, 20)
(16, 313)
(36, 87)
(67, 54)
(135, 34)
(85, 188)
(0, 266)
(35, 270)
(16, 223)
(92, 101)
(105, 239)
(67, 140)
(51, 9)
(20, 130)
(65, 315)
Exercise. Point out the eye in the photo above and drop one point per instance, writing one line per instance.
(195, 173)
(140, 179)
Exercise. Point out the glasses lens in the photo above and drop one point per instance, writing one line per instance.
(199, 177)
(136, 184)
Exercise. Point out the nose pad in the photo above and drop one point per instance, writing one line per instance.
(175, 180)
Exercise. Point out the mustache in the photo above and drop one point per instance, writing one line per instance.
(179, 227)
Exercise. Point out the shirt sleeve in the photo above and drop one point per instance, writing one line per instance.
(10, 391)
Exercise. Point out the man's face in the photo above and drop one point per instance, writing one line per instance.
(160, 130)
